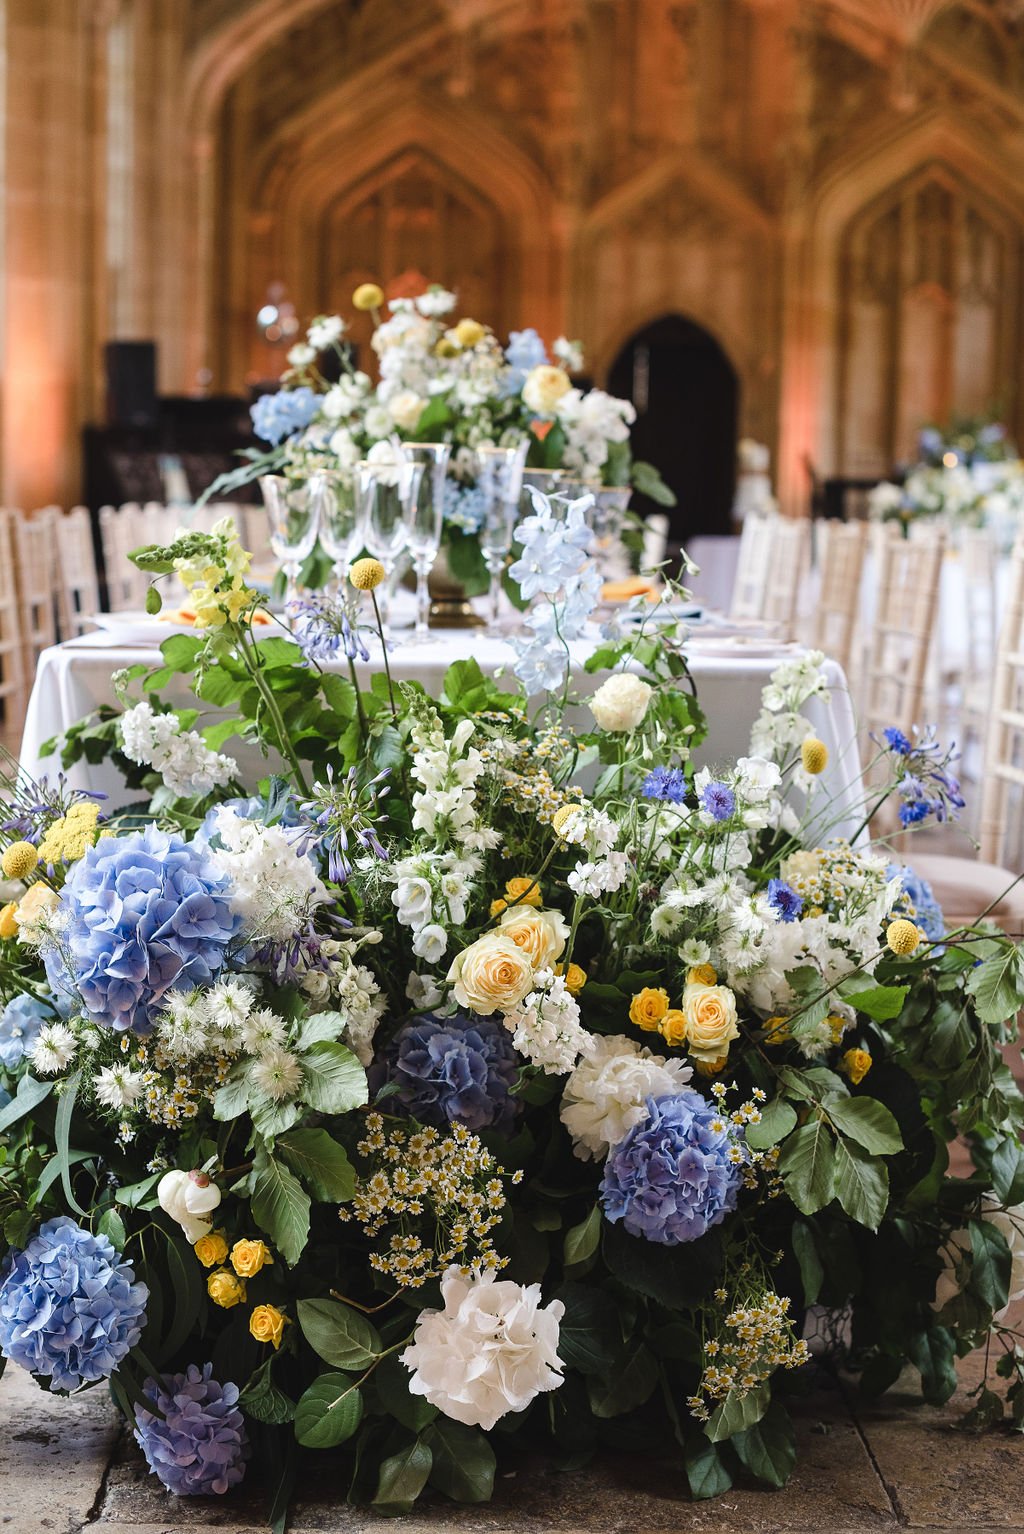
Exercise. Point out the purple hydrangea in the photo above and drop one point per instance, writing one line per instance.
(20, 1022)
(677, 1173)
(718, 800)
(148, 913)
(276, 416)
(70, 1309)
(784, 900)
(199, 1447)
(667, 784)
(456, 1069)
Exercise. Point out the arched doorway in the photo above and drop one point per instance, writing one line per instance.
(686, 395)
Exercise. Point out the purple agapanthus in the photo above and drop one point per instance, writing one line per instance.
(784, 900)
(896, 741)
(338, 815)
(718, 800)
(324, 627)
(666, 784)
(455, 1069)
(198, 1446)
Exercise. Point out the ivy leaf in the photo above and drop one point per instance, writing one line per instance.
(867, 1121)
(321, 1163)
(997, 985)
(778, 1119)
(807, 1166)
(1008, 1171)
(402, 1477)
(861, 1184)
(932, 1352)
(280, 1206)
(334, 1081)
(338, 1334)
(329, 1411)
(464, 1461)
(768, 1449)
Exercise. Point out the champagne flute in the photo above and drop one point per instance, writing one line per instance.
(423, 527)
(339, 530)
(293, 510)
(500, 477)
(386, 488)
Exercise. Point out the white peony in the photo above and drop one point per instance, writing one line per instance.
(490, 1351)
(189, 1198)
(621, 702)
(607, 1092)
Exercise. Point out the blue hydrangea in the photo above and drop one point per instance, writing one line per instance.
(465, 506)
(525, 351)
(917, 901)
(677, 1173)
(199, 1446)
(718, 800)
(784, 900)
(667, 784)
(70, 1309)
(456, 1069)
(20, 1022)
(277, 416)
(148, 913)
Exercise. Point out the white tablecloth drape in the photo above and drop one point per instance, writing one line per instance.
(73, 679)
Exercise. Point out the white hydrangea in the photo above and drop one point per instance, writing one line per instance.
(546, 1027)
(274, 889)
(607, 1092)
(184, 761)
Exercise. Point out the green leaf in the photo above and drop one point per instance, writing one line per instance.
(111, 1225)
(329, 1411)
(985, 1413)
(1008, 1172)
(590, 1333)
(319, 1028)
(402, 1478)
(738, 1412)
(778, 1119)
(647, 481)
(628, 1383)
(61, 1134)
(581, 1241)
(812, 1273)
(768, 1449)
(154, 602)
(705, 1472)
(807, 1166)
(867, 1121)
(181, 651)
(861, 1184)
(185, 1282)
(262, 1400)
(464, 1462)
(990, 1263)
(232, 1099)
(997, 985)
(320, 1162)
(338, 1334)
(932, 1353)
(462, 678)
(280, 1207)
(17, 1227)
(137, 1195)
(882, 1002)
(29, 1095)
(334, 1081)
(391, 1379)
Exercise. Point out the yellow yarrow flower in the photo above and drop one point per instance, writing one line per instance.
(249, 1256)
(68, 838)
(855, 1065)
(522, 890)
(8, 919)
(814, 755)
(367, 296)
(19, 860)
(211, 1249)
(225, 1288)
(366, 574)
(267, 1324)
(648, 1007)
(902, 936)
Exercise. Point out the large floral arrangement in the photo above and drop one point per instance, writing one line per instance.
(968, 475)
(487, 1069)
(442, 379)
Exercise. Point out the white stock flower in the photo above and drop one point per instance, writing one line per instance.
(607, 1092)
(435, 302)
(190, 1199)
(423, 991)
(54, 1049)
(546, 1026)
(599, 878)
(325, 330)
(491, 1350)
(277, 1074)
(621, 702)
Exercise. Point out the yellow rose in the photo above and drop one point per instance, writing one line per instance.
(837, 1026)
(225, 1289)
(777, 1030)
(647, 1008)
(267, 1324)
(36, 902)
(211, 1249)
(9, 919)
(855, 1065)
(18, 861)
(673, 1028)
(712, 1067)
(248, 1257)
(575, 979)
(544, 387)
(367, 296)
(522, 890)
(702, 974)
(469, 332)
(710, 1012)
(541, 934)
(491, 975)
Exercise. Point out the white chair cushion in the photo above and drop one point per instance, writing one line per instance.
(964, 888)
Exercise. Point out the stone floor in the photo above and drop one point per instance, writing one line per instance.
(66, 1469)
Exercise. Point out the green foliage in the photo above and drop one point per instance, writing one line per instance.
(329, 1411)
(338, 1334)
(280, 1206)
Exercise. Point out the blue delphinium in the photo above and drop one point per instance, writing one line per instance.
(667, 784)
(525, 351)
(917, 901)
(677, 1173)
(784, 900)
(147, 913)
(70, 1309)
(926, 785)
(718, 800)
(276, 416)
(455, 1069)
(20, 1022)
(198, 1448)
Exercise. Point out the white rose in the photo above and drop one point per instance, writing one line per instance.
(189, 1198)
(413, 898)
(430, 943)
(490, 1351)
(621, 702)
(301, 355)
(544, 387)
(406, 409)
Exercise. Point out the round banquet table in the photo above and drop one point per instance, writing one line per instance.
(73, 679)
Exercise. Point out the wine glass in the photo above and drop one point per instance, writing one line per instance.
(293, 509)
(423, 527)
(499, 476)
(339, 529)
(386, 489)
(550, 482)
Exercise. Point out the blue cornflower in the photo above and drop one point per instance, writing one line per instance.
(277, 416)
(718, 800)
(677, 1173)
(199, 1445)
(897, 741)
(784, 900)
(455, 1069)
(665, 783)
(913, 811)
(70, 1309)
(20, 1022)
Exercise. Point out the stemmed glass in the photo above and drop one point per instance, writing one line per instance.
(386, 491)
(423, 527)
(293, 509)
(339, 530)
(499, 476)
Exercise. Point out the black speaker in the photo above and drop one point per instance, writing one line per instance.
(131, 383)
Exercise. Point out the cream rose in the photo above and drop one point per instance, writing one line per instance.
(38, 901)
(540, 934)
(406, 409)
(710, 1013)
(621, 702)
(544, 387)
(491, 975)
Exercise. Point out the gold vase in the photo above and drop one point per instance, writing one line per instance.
(450, 607)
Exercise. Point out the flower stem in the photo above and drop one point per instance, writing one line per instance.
(254, 669)
(384, 648)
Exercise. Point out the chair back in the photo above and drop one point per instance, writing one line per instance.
(13, 696)
(122, 529)
(78, 588)
(841, 547)
(907, 571)
(753, 566)
(35, 567)
(1002, 800)
(772, 563)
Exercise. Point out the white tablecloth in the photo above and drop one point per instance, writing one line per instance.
(73, 679)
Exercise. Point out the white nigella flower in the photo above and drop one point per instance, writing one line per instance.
(54, 1049)
(118, 1087)
(262, 1030)
(607, 1092)
(301, 355)
(182, 1025)
(277, 1074)
(226, 1008)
